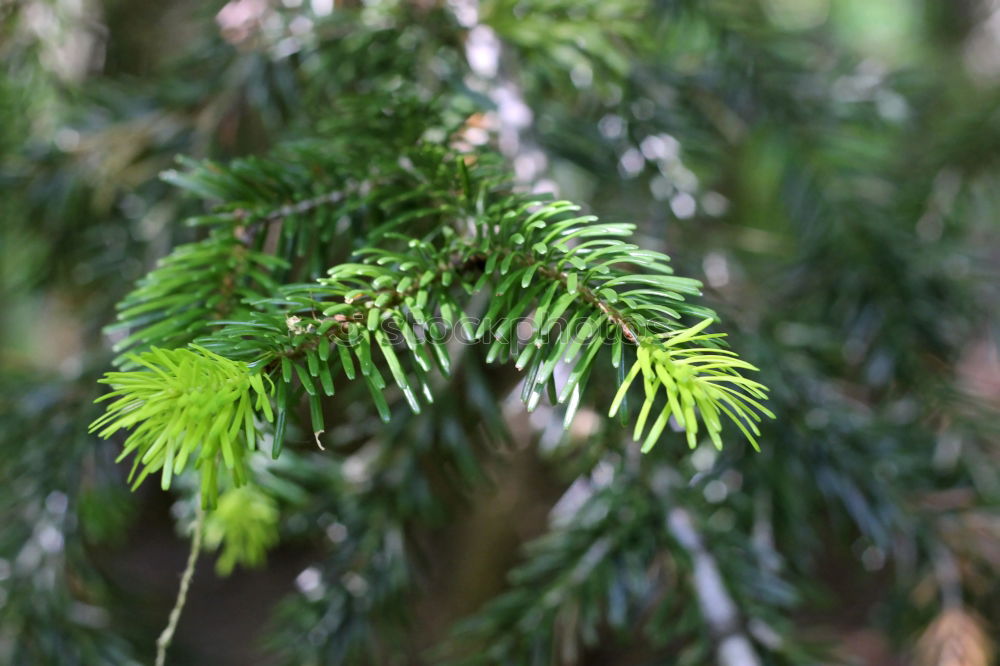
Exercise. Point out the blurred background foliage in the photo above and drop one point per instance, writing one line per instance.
(828, 168)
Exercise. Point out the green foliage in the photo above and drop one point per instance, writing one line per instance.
(45, 568)
(165, 310)
(187, 405)
(576, 579)
(540, 262)
(368, 256)
(245, 525)
(441, 232)
(702, 378)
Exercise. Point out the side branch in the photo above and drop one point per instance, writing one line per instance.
(338, 326)
(588, 295)
(244, 233)
(733, 647)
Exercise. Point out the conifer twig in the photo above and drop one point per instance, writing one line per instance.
(163, 642)
(287, 210)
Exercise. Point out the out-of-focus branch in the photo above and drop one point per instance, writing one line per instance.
(733, 647)
(514, 118)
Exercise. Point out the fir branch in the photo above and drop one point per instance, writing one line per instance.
(194, 285)
(589, 560)
(582, 286)
(570, 268)
(588, 295)
(733, 647)
(185, 405)
(247, 217)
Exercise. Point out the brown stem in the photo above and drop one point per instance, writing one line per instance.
(163, 642)
(245, 233)
(616, 317)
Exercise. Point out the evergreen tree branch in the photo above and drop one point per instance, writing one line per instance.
(619, 545)
(223, 275)
(581, 286)
(733, 647)
(577, 580)
(197, 284)
(249, 219)
(186, 404)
